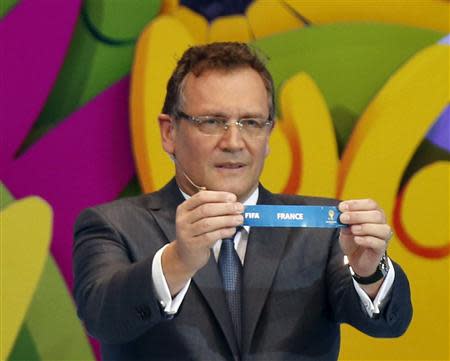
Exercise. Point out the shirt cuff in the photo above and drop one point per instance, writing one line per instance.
(170, 305)
(373, 307)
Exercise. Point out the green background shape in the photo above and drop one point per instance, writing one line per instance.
(6, 197)
(349, 62)
(52, 319)
(108, 16)
(24, 348)
(6, 6)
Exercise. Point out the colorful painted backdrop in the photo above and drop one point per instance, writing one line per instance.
(363, 111)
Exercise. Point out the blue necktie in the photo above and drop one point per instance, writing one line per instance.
(231, 270)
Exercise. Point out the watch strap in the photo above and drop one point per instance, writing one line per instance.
(380, 272)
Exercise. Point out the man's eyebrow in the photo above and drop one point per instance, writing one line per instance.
(253, 115)
(218, 114)
(245, 115)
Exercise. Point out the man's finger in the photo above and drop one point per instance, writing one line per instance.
(382, 231)
(208, 210)
(209, 239)
(211, 224)
(358, 205)
(374, 243)
(359, 217)
(208, 197)
(347, 242)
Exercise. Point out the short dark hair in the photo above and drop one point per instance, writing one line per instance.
(225, 56)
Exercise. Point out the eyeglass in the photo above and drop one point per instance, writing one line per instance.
(217, 125)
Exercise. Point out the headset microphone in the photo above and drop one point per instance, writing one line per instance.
(199, 188)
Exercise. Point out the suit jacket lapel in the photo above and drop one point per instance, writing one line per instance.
(209, 282)
(265, 248)
(163, 206)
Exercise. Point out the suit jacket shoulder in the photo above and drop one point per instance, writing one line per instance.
(114, 245)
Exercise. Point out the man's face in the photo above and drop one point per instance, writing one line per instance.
(230, 161)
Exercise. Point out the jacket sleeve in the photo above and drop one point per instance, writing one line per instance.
(114, 296)
(395, 314)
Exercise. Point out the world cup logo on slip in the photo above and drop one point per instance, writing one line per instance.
(330, 215)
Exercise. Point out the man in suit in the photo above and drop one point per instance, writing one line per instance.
(154, 279)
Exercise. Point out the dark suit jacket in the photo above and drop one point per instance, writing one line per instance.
(296, 289)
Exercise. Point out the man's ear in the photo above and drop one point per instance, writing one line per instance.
(167, 131)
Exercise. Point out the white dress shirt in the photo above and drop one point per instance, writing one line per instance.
(171, 305)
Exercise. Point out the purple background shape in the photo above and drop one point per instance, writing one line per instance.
(439, 133)
(84, 161)
(445, 40)
(34, 44)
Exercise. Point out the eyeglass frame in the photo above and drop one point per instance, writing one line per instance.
(196, 120)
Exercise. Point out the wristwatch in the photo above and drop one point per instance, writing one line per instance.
(380, 272)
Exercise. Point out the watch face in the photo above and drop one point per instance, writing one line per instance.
(384, 265)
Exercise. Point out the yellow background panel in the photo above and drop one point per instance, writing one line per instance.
(26, 227)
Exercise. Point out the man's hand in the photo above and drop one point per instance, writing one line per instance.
(365, 240)
(200, 221)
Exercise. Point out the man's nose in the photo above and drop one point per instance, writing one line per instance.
(232, 139)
